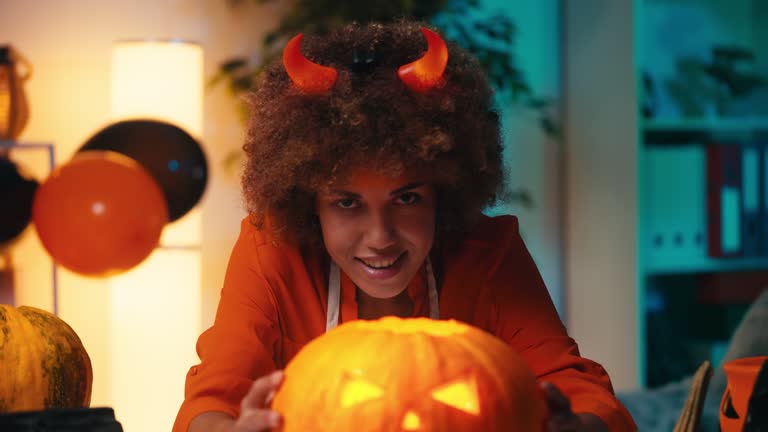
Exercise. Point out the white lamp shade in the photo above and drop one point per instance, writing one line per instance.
(162, 80)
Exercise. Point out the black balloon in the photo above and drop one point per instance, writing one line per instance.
(17, 192)
(173, 157)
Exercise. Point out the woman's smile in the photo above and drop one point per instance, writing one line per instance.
(382, 268)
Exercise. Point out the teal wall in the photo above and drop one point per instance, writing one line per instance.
(533, 158)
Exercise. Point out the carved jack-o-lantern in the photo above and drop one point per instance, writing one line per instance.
(409, 375)
(742, 374)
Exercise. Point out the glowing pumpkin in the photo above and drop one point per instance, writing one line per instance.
(43, 364)
(409, 375)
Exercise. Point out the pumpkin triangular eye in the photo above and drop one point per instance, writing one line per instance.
(461, 394)
(357, 390)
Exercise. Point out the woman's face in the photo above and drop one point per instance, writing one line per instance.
(378, 229)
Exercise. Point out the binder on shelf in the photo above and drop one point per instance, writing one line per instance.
(675, 206)
(752, 202)
(724, 197)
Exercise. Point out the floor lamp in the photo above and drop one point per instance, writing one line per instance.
(156, 307)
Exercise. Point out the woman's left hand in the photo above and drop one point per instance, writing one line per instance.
(562, 419)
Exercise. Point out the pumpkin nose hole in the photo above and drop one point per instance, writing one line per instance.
(411, 421)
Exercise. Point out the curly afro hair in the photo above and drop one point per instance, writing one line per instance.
(297, 143)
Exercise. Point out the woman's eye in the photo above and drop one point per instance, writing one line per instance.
(408, 198)
(346, 203)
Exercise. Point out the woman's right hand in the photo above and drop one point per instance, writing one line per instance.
(255, 415)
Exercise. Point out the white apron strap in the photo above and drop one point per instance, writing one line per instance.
(334, 295)
(434, 303)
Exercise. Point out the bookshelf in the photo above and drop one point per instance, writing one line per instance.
(20, 259)
(706, 125)
(697, 265)
(690, 302)
(627, 139)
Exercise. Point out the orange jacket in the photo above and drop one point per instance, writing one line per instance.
(274, 301)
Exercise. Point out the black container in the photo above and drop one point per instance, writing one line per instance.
(61, 420)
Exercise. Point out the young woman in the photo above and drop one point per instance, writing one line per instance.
(371, 153)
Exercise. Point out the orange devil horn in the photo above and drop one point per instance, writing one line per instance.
(308, 76)
(426, 72)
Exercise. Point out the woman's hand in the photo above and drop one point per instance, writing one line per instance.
(255, 415)
(562, 419)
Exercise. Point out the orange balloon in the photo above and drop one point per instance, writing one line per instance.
(99, 214)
